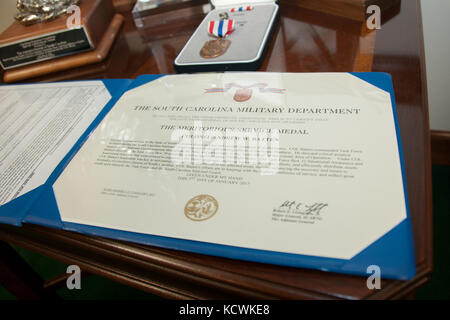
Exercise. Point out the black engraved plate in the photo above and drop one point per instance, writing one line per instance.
(44, 48)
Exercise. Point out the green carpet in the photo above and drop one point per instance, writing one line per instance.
(98, 288)
(439, 286)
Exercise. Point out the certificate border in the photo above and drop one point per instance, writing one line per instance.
(393, 252)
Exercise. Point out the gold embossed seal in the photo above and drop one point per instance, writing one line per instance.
(201, 207)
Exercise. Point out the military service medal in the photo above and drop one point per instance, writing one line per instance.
(217, 47)
(240, 9)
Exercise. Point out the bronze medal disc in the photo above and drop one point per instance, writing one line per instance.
(243, 94)
(214, 48)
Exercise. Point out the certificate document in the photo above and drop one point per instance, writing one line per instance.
(40, 123)
(305, 164)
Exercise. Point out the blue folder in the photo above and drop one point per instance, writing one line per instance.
(14, 212)
(393, 252)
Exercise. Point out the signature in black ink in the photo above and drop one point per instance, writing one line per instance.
(303, 208)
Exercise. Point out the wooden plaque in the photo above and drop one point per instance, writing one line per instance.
(23, 45)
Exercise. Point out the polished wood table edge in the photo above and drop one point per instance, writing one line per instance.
(398, 289)
(150, 258)
(440, 134)
(429, 266)
(173, 278)
(440, 147)
(105, 270)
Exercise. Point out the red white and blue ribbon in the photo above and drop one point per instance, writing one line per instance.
(263, 88)
(246, 8)
(221, 28)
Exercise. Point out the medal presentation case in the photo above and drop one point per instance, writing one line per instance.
(210, 48)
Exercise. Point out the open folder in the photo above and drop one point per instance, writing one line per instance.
(302, 170)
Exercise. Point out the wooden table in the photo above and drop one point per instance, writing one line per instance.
(304, 41)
